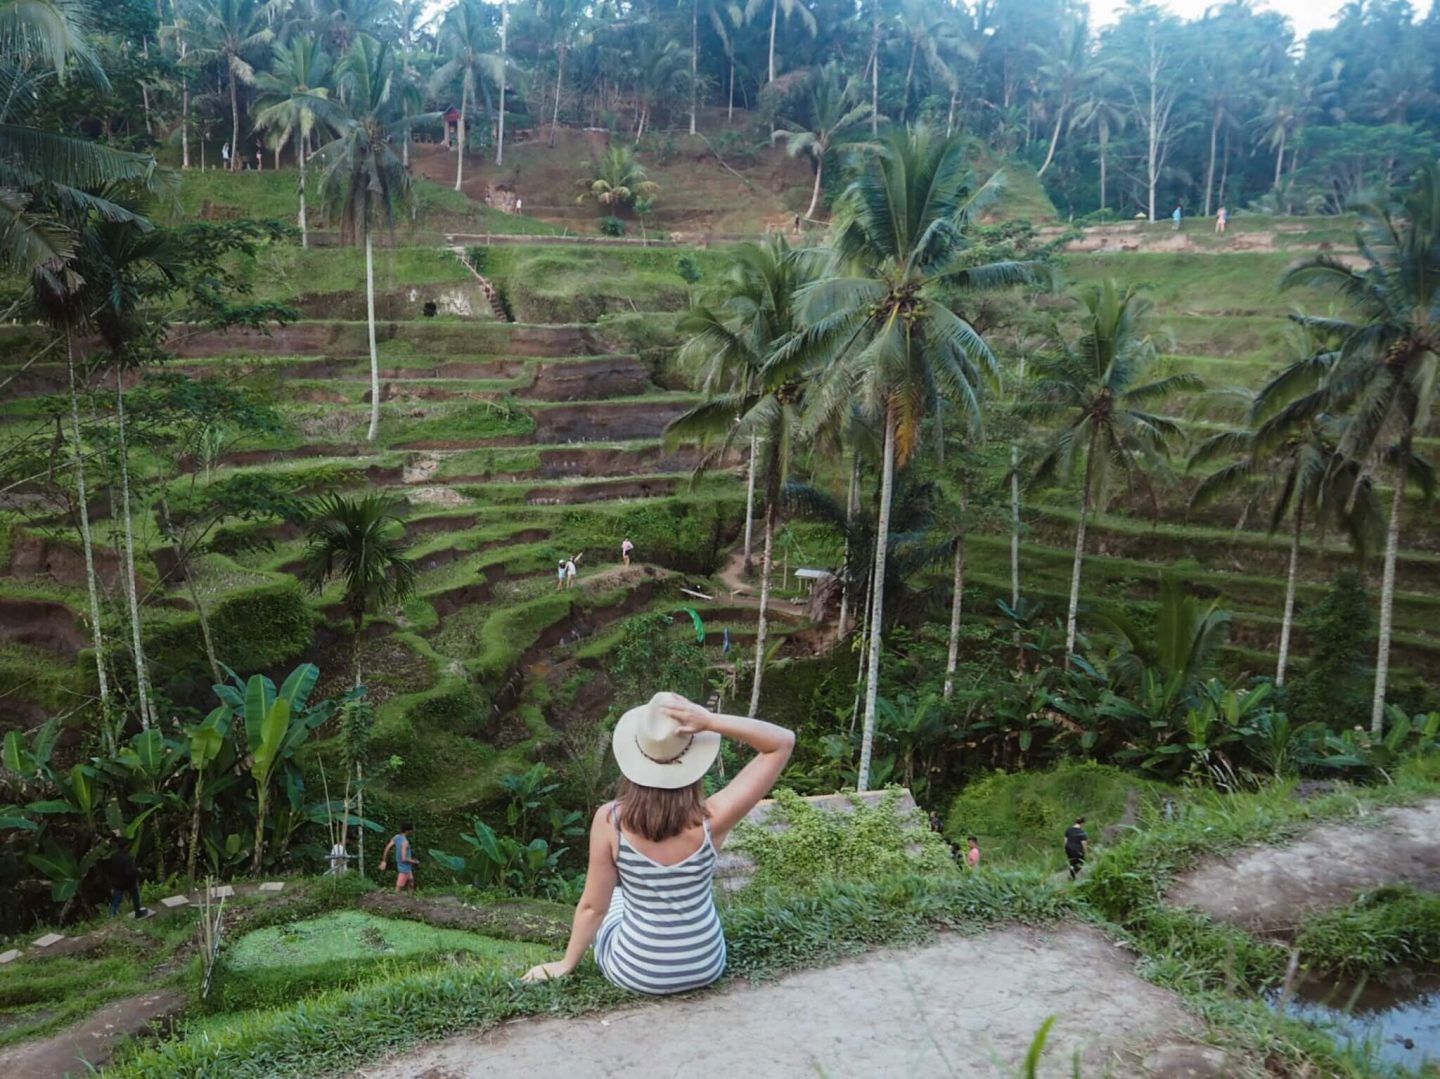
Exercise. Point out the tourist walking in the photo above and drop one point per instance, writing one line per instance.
(560, 575)
(1175, 217)
(1222, 218)
(570, 570)
(225, 154)
(626, 547)
(649, 900)
(404, 858)
(972, 856)
(1077, 846)
(124, 878)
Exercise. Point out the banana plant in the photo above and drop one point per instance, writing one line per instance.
(210, 747)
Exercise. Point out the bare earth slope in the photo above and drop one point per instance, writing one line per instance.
(963, 1006)
(1270, 889)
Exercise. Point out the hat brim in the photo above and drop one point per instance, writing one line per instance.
(696, 760)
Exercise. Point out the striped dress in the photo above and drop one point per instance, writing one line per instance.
(662, 934)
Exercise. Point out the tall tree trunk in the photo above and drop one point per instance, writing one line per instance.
(194, 845)
(234, 126)
(762, 626)
(206, 639)
(460, 130)
(1210, 168)
(845, 558)
(1387, 595)
(877, 612)
(142, 678)
(559, 82)
(874, 73)
(909, 75)
(1279, 160)
(730, 106)
(370, 322)
(184, 113)
(360, 812)
(262, 809)
(1288, 618)
(815, 193)
(774, 21)
(950, 116)
(952, 660)
(504, 63)
(694, 60)
(300, 161)
(1104, 141)
(1054, 141)
(1071, 612)
(86, 541)
(750, 502)
(1015, 526)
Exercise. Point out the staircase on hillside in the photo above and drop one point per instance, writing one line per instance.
(492, 294)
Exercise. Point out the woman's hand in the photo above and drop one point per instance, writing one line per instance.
(546, 972)
(691, 717)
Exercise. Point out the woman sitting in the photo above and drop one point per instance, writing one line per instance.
(659, 932)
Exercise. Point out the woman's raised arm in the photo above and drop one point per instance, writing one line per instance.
(773, 745)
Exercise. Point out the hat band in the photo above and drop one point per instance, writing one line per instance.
(669, 760)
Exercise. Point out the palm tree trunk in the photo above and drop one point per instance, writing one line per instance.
(750, 503)
(504, 62)
(815, 194)
(184, 113)
(300, 161)
(874, 73)
(774, 21)
(1279, 160)
(559, 81)
(694, 59)
(1104, 141)
(845, 558)
(1054, 141)
(86, 541)
(205, 637)
(863, 663)
(262, 806)
(1070, 615)
(1210, 168)
(360, 812)
(950, 116)
(952, 660)
(730, 107)
(1387, 596)
(909, 75)
(1289, 617)
(234, 126)
(877, 603)
(762, 625)
(195, 826)
(142, 680)
(1014, 526)
(460, 131)
(370, 317)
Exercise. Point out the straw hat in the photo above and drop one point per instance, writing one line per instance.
(652, 752)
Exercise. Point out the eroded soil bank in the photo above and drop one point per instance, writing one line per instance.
(963, 1006)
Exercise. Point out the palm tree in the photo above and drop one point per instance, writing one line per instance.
(463, 37)
(883, 334)
(293, 101)
(563, 22)
(659, 67)
(359, 541)
(1065, 71)
(835, 111)
(234, 31)
(924, 25)
(617, 180)
(791, 9)
(1096, 384)
(361, 175)
(1386, 363)
(1100, 110)
(755, 320)
(504, 65)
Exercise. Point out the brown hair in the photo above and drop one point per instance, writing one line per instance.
(656, 814)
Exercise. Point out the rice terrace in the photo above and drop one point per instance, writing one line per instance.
(780, 539)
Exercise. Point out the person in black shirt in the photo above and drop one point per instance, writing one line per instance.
(124, 878)
(1077, 845)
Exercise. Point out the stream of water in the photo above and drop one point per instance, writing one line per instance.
(1399, 1016)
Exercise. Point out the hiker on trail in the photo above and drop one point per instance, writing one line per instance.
(560, 575)
(404, 858)
(972, 856)
(1077, 845)
(124, 878)
(570, 571)
(225, 154)
(658, 931)
(1222, 218)
(625, 548)
(1175, 217)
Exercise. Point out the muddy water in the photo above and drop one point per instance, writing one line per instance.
(1399, 1016)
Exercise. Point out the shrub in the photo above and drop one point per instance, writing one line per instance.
(612, 226)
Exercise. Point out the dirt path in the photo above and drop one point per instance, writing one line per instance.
(964, 1006)
(92, 1041)
(1269, 890)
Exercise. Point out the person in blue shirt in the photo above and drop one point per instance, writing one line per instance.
(1175, 217)
(404, 859)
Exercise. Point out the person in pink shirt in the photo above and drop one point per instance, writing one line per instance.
(972, 856)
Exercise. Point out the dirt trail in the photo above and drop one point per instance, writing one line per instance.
(964, 1006)
(1270, 889)
(92, 1041)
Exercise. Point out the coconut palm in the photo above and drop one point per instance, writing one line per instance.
(1095, 385)
(835, 110)
(360, 543)
(882, 333)
(1101, 111)
(755, 319)
(1385, 367)
(790, 9)
(236, 33)
(463, 38)
(1065, 71)
(361, 176)
(295, 102)
(617, 180)
(504, 65)
(563, 24)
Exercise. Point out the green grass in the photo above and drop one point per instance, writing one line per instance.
(284, 273)
(582, 284)
(1192, 284)
(1392, 927)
